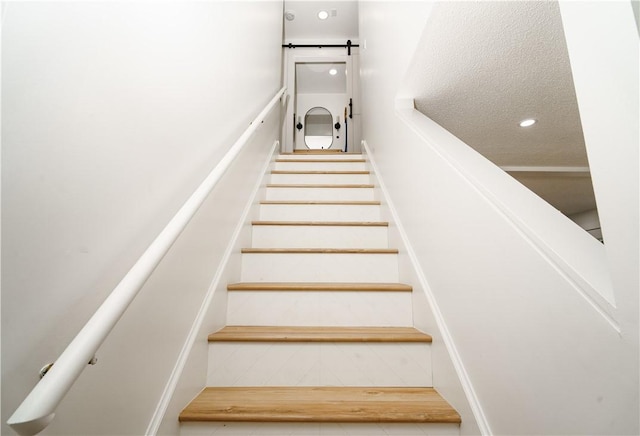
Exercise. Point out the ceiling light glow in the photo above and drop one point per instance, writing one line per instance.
(333, 71)
(528, 122)
(323, 15)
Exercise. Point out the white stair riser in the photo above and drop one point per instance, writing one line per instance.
(319, 212)
(319, 364)
(320, 308)
(315, 428)
(321, 178)
(328, 194)
(320, 166)
(328, 156)
(319, 236)
(259, 267)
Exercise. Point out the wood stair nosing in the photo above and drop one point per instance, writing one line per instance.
(319, 152)
(322, 160)
(319, 250)
(320, 185)
(313, 286)
(319, 334)
(321, 172)
(323, 223)
(322, 202)
(320, 404)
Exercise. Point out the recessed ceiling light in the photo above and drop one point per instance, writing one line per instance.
(333, 71)
(527, 122)
(323, 15)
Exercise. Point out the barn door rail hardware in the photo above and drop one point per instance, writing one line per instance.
(348, 46)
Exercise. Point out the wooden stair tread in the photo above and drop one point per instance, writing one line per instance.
(329, 151)
(320, 172)
(323, 202)
(313, 286)
(319, 250)
(318, 334)
(330, 404)
(320, 404)
(317, 185)
(323, 223)
(322, 160)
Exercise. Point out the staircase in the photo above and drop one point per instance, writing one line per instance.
(319, 336)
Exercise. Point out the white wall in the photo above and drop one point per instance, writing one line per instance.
(390, 33)
(603, 49)
(112, 114)
(521, 292)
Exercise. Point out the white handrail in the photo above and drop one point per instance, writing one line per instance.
(38, 409)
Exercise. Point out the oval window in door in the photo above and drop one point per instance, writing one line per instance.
(318, 128)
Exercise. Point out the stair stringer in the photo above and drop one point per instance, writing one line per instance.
(193, 358)
(448, 373)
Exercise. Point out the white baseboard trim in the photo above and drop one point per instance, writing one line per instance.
(176, 373)
(461, 372)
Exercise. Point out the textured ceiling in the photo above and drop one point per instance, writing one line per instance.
(341, 25)
(482, 67)
(488, 65)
